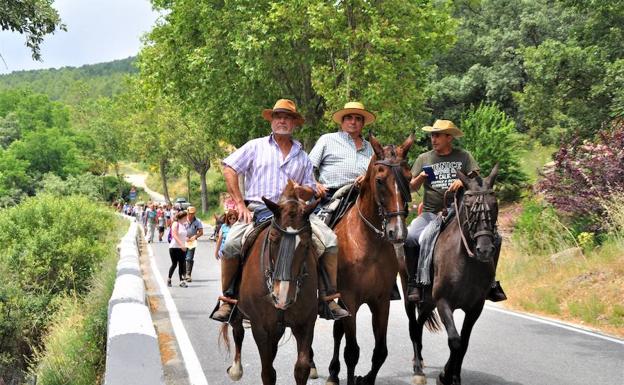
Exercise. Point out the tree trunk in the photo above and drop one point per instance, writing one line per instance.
(188, 185)
(204, 188)
(163, 177)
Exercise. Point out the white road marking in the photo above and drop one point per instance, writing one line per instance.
(556, 323)
(191, 362)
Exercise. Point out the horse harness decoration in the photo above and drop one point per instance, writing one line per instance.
(479, 213)
(281, 268)
(403, 187)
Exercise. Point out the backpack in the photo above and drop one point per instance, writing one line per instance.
(170, 236)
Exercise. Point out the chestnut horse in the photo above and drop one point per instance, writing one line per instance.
(464, 264)
(278, 288)
(367, 263)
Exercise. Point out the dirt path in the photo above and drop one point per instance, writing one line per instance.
(139, 181)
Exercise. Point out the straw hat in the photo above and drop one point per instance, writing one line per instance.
(284, 105)
(355, 108)
(444, 127)
(191, 210)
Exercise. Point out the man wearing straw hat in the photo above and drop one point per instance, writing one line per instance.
(437, 171)
(342, 157)
(267, 164)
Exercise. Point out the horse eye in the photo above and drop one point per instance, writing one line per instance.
(379, 180)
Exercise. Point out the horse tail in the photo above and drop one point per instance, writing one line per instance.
(432, 322)
(224, 337)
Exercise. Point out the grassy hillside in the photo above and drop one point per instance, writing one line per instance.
(68, 84)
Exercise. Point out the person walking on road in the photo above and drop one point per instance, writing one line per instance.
(177, 248)
(230, 219)
(150, 222)
(194, 230)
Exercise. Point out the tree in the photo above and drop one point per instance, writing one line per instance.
(35, 18)
(245, 55)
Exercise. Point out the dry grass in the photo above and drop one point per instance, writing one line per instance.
(587, 291)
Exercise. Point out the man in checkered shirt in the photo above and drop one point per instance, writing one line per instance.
(342, 157)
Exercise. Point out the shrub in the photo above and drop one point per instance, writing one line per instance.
(86, 184)
(491, 138)
(586, 173)
(51, 248)
(538, 230)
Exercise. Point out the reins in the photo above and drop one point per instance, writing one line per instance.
(403, 187)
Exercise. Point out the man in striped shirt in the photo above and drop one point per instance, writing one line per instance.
(342, 157)
(267, 164)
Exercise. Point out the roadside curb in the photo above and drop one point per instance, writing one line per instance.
(132, 351)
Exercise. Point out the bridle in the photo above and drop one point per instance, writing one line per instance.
(479, 213)
(281, 268)
(404, 190)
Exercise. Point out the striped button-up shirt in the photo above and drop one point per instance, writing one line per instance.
(338, 160)
(266, 172)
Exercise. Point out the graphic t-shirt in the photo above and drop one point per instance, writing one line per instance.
(445, 170)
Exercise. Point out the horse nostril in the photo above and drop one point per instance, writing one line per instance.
(391, 234)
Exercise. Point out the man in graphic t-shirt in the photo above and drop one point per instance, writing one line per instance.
(437, 171)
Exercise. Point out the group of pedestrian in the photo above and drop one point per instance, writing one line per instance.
(185, 230)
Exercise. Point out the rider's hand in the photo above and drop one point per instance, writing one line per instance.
(358, 181)
(321, 190)
(456, 185)
(244, 215)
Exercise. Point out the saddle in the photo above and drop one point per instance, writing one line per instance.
(341, 201)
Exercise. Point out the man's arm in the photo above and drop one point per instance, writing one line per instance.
(231, 182)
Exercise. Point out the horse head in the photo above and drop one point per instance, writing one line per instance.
(479, 212)
(290, 242)
(388, 178)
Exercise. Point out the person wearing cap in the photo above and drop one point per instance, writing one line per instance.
(194, 230)
(267, 164)
(342, 157)
(442, 163)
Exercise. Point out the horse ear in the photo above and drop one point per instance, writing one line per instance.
(405, 147)
(465, 180)
(492, 177)
(310, 207)
(377, 148)
(274, 207)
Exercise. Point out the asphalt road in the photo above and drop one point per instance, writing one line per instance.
(505, 348)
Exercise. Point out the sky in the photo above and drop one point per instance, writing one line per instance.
(97, 31)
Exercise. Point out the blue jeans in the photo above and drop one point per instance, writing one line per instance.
(190, 254)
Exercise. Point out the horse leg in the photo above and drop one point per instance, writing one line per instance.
(352, 349)
(313, 371)
(469, 321)
(334, 365)
(304, 336)
(447, 376)
(416, 332)
(236, 370)
(267, 347)
(380, 328)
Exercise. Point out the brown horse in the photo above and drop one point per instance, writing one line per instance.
(278, 288)
(367, 263)
(464, 264)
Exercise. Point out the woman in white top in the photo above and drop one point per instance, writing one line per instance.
(177, 250)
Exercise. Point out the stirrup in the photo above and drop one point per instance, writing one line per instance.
(231, 302)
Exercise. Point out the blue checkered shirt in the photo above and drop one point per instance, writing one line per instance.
(337, 159)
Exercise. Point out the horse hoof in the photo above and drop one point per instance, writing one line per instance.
(332, 382)
(362, 380)
(235, 372)
(313, 373)
(419, 380)
(440, 379)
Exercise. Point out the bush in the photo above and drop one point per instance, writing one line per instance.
(538, 230)
(491, 138)
(585, 174)
(51, 248)
(75, 347)
(86, 184)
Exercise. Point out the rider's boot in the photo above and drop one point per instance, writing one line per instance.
(327, 290)
(189, 270)
(229, 270)
(411, 263)
(496, 292)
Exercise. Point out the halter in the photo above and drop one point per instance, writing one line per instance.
(403, 186)
(281, 269)
(479, 213)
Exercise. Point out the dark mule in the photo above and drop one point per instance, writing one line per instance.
(464, 264)
(278, 288)
(367, 263)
